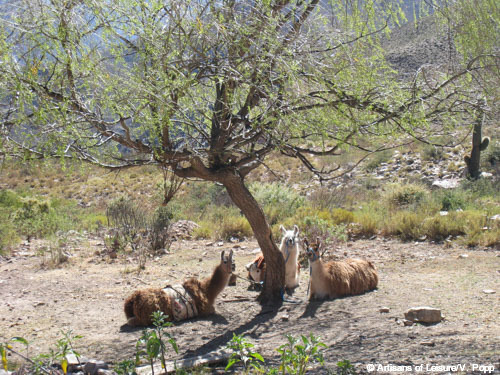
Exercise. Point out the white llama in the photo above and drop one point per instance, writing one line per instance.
(290, 248)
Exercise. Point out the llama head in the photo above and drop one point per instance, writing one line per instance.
(254, 272)
(312, 249)
(227, 262)
(290, 237)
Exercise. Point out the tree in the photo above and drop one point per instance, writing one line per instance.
(209, 88)
(475, 28)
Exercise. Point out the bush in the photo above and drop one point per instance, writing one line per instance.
(432, 153)
(36, 218)
(278, 199)
(159, 226)
(341, 216)
(377, 159)
(405, 224)
(452, 200)
(234, 227)
(405, 196)
(367, 223)
(438, 228)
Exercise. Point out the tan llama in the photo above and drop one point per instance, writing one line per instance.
(257, 269)
(290, 248)
(192, 298)
(337, 279)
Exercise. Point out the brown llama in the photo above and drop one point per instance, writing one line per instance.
(338, 278)
(257, 269)
(192, 298)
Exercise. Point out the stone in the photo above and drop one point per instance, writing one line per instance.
(407, 323)
(463, 256)
(424, 314)
(92, 367)
(384, 310)
(452, 183)
(105, 372)
(489, 291)
(427, 343)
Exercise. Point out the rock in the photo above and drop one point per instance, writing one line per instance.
(384, 310)
(92, 367)
(183, 229)
(463, 256)
(285, 317)
(256, 251)
(105, 372)
(424, 314)
(495, 217)
(427, 343)
(489, 291)
(407, 323)
(446, 184)
(220, 243)
(443, 213)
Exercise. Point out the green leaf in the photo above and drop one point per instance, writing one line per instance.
(257, 356)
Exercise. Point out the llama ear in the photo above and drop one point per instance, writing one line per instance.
(282, 228)
(295, 230)
(222, 254)
(318, 241)
(230, 255)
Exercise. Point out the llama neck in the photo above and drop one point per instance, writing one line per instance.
(212, 286)
(317, 268)
(290, 252)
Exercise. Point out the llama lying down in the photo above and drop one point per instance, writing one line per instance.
(337, 279)
(179, 302)
(290, 248)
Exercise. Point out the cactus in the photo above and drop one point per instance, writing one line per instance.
(484, 144)
(478, 144)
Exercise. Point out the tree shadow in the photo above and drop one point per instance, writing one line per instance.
(311, 308)
(214, 318)
(266, 313)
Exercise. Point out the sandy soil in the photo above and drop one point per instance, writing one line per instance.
(86, 293)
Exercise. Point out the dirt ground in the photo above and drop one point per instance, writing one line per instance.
(86, 294)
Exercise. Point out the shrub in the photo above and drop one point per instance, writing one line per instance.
(206, 229)
(283, 199)
(405, 224)
(159, 225)
(405, 196)
(234, 227)
(438, 228)
(36, 218)
(452, 200)
(377, 159)
(432, 153)
(341, 216)
(8, 236)
(326, 198)
(367, 222)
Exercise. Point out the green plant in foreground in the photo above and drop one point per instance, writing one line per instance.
(242, 351)
(345, 368)
(154, 341)
(126, 367)
(296, 354)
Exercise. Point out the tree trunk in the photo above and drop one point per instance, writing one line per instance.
(275, 264)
